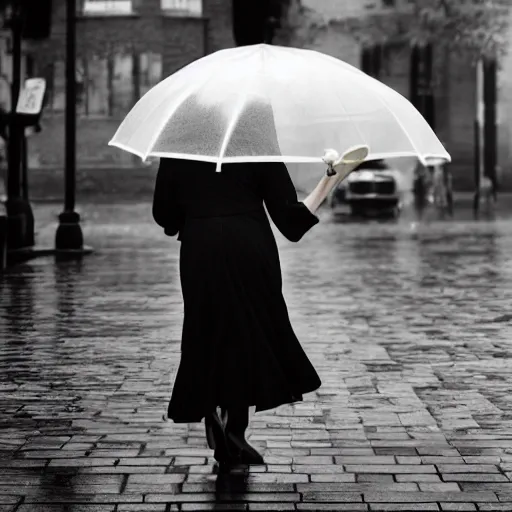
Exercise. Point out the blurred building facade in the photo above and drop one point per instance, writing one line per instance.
(124, 48)
(456, 98)
(127, 46)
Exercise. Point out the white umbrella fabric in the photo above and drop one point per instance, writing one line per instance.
(266, 103)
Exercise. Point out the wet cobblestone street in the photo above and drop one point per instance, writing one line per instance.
(410, 333)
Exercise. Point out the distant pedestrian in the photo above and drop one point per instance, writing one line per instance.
(488, 194)
(448, 186)
(421, 189)
(238, 347)
(442, 188)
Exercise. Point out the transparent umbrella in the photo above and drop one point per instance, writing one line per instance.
(269, 103)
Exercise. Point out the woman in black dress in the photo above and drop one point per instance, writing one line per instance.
(238, 347)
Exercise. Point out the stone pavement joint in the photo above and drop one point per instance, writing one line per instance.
(406, 329)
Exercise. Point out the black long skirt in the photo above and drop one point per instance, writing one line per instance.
(238, 346)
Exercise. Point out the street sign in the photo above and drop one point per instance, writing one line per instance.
(31, 97)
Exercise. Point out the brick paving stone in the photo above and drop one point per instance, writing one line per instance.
(474, 477)
(214, 506)
(124, 470)
(350, 497)
(458, 507)
(438, 451)
(409, 507)
(411, 497)
(247, 485)
(344, 507)
(397, 450)
(429, 477)
(481, 459)
(487, 486)
(333, 477)
(313, 460)
(434, 459)
(467, 468)
(356, 487)
(143, 507)
(406, 459)
(271, 506)
(393, 469)
(30, 490)
(152, 488)
(438, 487)
(158, 479)
(371, 459)
(323, 468)
(71, 507)
(345, 452)
(72, 498)
(505, 496)
(279, 468)
(488, 507)
(370, 477)
(279, 478)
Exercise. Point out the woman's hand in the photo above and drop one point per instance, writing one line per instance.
(338, 169)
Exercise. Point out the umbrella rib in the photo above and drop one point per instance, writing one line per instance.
(386, 105)
(229, 131)
(154, 90)
(351, 118)
(376, 84)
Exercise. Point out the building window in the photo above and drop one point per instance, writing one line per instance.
(106, 87)
(150, 72)
(182, 7)
(107, 7)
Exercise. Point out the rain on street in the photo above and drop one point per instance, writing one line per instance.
(408, 329)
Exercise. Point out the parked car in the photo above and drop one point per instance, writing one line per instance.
(373, 189)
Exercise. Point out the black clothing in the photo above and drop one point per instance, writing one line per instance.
(238, 346)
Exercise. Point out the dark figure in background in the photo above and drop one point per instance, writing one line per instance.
(448, 184)
(4, 139)
(421, 190)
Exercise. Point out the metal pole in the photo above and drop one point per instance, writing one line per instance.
(490, 135)
(14, 181)
(69, 235)
(479, 122)
(70, 136)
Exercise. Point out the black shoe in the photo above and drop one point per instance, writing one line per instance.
(216, 437)
(240, 451)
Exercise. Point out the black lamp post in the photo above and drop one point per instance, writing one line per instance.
(69, 235)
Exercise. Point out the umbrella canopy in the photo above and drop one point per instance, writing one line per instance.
(269, 103)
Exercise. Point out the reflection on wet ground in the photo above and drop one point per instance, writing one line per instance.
(408, 326)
